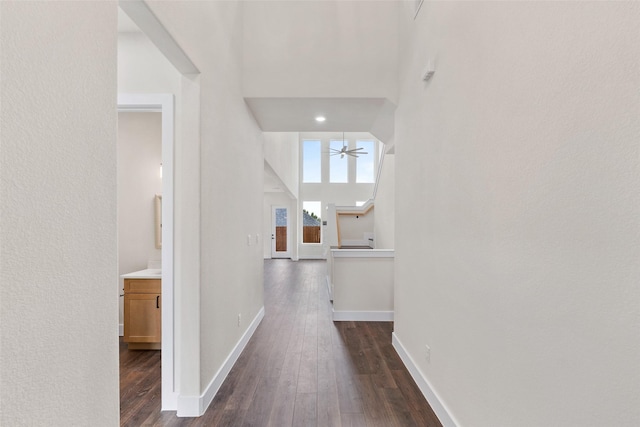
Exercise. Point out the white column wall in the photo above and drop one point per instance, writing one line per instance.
(58, 305)
(517, 206)
(231, 180)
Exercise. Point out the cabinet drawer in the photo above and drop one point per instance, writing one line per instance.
(142, 286)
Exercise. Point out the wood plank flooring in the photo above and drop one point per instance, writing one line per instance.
(299, 369)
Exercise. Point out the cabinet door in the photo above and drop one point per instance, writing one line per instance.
(142, 318)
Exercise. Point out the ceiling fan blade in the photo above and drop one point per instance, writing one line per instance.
(356, 149)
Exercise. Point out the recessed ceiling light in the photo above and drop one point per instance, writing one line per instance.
(320, 119)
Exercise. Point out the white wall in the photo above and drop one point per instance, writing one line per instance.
(517, 206)
(320, 49)
(363, 285)
(231, 164)
(139, 180)
(142, 68)
(281, 151)
(356, 227)
(59, 357)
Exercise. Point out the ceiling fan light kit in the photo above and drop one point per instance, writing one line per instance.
(353, 152)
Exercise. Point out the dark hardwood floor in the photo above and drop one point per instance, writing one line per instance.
(299, 369)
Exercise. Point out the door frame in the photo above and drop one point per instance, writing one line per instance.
(164, 104)
(275, 254)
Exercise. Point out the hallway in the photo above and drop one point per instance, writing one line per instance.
(299, 368)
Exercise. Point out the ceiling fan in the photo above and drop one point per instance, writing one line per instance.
(341, 152)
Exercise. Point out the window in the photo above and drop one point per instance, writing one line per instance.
(311, 222)
(365, 166)
(311, 162)
(338, 163)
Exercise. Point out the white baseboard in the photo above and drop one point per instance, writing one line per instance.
(189, 406)
(432, 397)
(121, 330)
(362, 316)
(195, 406)
(329, 288)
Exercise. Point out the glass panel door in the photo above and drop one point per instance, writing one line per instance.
(280, 233)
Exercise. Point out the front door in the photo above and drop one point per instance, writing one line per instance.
(280, 232)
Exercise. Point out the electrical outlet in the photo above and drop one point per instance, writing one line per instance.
(239, 318)
(257, 239)
(248, 239)
(427, 353)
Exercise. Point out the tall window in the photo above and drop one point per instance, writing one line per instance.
(311, 221)
(311, 161)
(365, 172)
(338, 163)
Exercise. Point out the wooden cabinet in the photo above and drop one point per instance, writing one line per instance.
(142, 313)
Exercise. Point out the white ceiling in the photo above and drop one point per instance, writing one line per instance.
(298, 114)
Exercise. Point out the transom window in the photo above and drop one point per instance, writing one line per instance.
(338, 163)
(311, 161)
(365, 168)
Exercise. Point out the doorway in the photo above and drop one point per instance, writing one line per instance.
(280, 242)
(163, 104)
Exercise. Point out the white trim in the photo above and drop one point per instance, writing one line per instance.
(163, 103)
(189, 406)
(362, 316)
(438, 406)
(363, 253)
(121, 330)
(329, 287)
(195, 406)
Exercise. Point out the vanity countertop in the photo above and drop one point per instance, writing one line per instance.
(149, 273)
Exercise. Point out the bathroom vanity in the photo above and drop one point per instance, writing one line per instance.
(142, 309)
